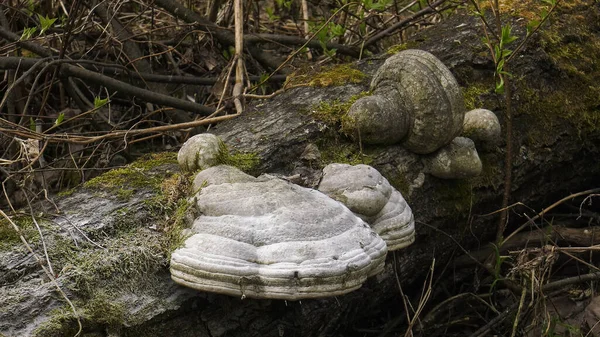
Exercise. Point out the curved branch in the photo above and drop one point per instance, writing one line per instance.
(124, 88)
(112, 70)
(111, 83)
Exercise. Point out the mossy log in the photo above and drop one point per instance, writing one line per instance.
(117, 273)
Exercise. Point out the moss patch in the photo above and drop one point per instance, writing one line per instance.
(400, 47)
(332, 113)
(457, 197)
(472, 95)
(99, 277)
(334, 151)
(491, 173)
(10, 238)
(551, 109)
(102, 310)
(327, 77)
(66, 193)
(572, 46)
(126, 264)
(400, 183)
(133, 260)
(137, 175)
(245, 161)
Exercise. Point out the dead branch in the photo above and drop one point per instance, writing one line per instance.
(428, 10)
(113, 84)
(116, 70)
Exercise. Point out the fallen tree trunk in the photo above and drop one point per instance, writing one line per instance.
(123, 287)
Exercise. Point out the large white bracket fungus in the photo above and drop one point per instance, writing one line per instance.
(268, 238)
(415, 101)
(200, 152)
(220, 174)
(370, 196)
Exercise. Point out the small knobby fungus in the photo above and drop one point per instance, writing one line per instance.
(482, 126)
(415, 101)
(199, 152)
(370, 196)
(268, 238)
(458, 160)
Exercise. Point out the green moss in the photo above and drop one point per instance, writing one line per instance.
(332, 113)
(472, 95)
(124, 194)
(248, 162)
(66, 193)
(175, 233)
(126, 264)
(61, 323)
(125, 181)
(551, 109)
(491, 172)
(155, 160)
(333, 151)
(332, 76)
(10, 238)
(102, 310)
(134, 259)
(456, 197)
(572, 47)
(400, 47)
(399, 182)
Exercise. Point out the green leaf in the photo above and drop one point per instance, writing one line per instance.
(531, 25)
(363, 28)
(271, 14)
(99, 102)
(330, 52)
(500, 66)
(485, 40)
(284, 3)
(323, 36)
(46, 23)
(30, 6)
(500, 86)
(506, 37)
(27, 33)
(378, 6)
(497, 52)
(337, 30)
(60, 119)
(31, 124)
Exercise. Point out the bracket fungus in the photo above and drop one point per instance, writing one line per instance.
(199, 152)
(458, 160)
(219, 175)
(267, 238)
(482, 126)
(415, 101)
(371, 197)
